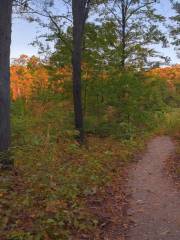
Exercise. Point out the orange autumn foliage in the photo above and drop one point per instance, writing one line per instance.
(170, 74)
(167, 73)
(29, 75)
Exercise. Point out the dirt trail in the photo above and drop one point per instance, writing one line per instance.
(155, 202)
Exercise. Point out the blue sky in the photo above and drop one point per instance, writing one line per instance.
(23, 33)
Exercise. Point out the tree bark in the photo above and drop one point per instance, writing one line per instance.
(5, 42)
(78, 10)
(123, 56)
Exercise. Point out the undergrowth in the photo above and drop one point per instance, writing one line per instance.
(45, 196)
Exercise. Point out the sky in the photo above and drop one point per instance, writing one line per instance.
(23, 34)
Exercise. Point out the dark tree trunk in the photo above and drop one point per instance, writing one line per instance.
(123, 56)
(5, 41)
(78, 10)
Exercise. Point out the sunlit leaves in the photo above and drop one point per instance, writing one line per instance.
(30, 75)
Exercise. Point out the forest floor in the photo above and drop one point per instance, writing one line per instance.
(154, 204)
(110, 190)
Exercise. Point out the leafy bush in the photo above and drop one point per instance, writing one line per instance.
(125, 105)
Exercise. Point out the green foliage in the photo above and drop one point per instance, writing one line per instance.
(47, 192)
(137, 26)
(54, 176)
(109, 40)
(125, 106)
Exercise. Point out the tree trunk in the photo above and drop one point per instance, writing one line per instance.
(5, 42)
(78, 27)
(123, 56)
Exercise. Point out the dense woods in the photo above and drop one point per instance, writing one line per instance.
(81, 110)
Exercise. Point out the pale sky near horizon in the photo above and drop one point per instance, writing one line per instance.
(23, 33)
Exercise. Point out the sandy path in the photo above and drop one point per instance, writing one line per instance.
(155, 202)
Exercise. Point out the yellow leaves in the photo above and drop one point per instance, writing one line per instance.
(170, 74)
(29, 75)
(167, 73)
(21, 82)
